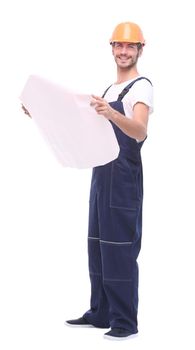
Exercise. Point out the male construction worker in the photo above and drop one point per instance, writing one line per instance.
(115, 213)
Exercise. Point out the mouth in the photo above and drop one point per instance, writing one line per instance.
(123, 59)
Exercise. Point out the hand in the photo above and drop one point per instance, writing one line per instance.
(26, 111)
(102, 107)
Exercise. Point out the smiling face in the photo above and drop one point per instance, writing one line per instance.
(126, 54)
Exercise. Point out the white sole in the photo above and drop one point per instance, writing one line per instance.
(78, 325)
(110, 337)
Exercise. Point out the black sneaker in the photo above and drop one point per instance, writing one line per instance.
(79, 322)
(118, 334)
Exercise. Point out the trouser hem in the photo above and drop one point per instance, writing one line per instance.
(95, 324)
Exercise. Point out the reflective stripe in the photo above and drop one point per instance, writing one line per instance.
(109, 242)
(117, 243)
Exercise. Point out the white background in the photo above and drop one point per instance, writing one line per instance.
(44, 207)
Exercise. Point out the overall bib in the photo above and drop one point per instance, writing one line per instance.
(114, 236)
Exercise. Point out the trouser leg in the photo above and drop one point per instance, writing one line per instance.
(98, 315)
(120, 245)
(120, 278)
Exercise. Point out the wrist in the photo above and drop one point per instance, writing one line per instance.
(113, 115)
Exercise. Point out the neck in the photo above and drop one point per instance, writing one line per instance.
(124, 75)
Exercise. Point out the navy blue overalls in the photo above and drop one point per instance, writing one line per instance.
(114, 237)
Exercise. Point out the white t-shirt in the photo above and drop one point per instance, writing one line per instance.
(141, 91)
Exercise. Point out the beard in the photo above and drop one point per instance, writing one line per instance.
(126, 63)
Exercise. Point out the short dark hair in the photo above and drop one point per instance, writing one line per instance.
(139, 46)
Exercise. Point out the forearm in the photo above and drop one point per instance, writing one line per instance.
(130, 127)
(135, 127)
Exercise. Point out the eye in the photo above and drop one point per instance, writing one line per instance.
(131, 46)
(117, 45)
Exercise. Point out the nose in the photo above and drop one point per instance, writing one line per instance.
(123, 50)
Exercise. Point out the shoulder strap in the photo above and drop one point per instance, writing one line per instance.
(126, 89)
(106, 91)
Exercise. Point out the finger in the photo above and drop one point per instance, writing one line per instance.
(97, 98)
(93, 103)
(97, 102)
(100, 109)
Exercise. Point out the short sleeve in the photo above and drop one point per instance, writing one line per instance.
(142, 91)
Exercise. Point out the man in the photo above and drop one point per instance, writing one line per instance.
(115, 212)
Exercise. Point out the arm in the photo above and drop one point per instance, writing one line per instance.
(135, 127)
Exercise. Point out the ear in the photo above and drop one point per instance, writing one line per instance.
(140, 51)
(112, 48)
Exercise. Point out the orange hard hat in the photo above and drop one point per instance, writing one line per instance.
(127, 32)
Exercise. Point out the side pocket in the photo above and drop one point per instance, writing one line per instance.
(125, 185)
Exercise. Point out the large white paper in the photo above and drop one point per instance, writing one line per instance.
(79, 137)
